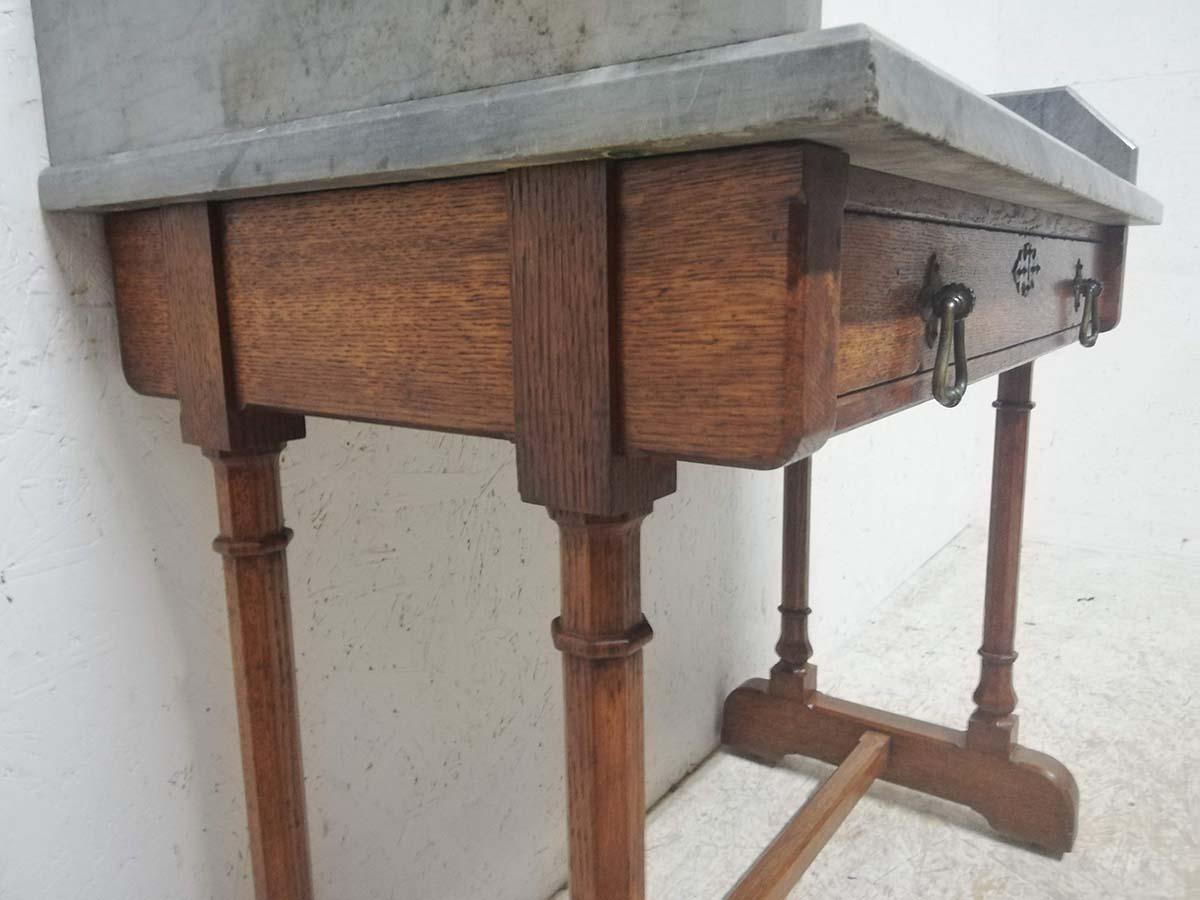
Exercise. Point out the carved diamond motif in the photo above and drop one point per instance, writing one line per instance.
(1025, 269)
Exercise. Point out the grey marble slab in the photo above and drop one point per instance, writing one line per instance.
(847, 87)
(1061, 112)
(129, 74)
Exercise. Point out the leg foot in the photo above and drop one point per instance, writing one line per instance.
(1025, 795)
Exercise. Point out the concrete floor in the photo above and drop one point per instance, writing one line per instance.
(1107, 674)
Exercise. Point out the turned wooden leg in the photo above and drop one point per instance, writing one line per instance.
(1024, 794)
(993, 727)
(244, 448)
(253, 541)
(601, 633)
(567, 411)
(794, 674)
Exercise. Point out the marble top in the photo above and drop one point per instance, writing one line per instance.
(123, 75)
(847, 87)
(1061, 112)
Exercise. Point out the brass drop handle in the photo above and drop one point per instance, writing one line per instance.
(952, 303)
(1087, 291)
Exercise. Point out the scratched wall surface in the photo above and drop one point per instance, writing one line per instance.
(422, 592)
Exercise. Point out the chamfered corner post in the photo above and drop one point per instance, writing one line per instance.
(993, 725)
(243, 446)
(565, 375)
(794, 674)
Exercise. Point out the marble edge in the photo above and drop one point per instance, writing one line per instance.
(491, 129)
(998, 138)
(848, 87)
(1082, 101)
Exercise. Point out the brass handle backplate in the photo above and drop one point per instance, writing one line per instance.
(1087, 292)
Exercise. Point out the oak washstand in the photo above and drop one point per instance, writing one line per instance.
(718, 237)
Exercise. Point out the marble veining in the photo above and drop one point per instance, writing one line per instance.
(129, 74)
(847, 87)
(1061, 112)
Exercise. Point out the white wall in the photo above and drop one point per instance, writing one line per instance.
(423, 588)
(957, 37)
(1117, 442)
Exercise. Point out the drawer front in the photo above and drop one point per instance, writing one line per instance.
(1022, 284)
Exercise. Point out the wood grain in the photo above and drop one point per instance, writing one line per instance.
(873, 403)
(729, 287)
(143, 320)
(567, 412)
(201, 333)
(891, 195)
(565, 367)
(779, 868)
(885, 262)
(602, 706)
(1026, 795)
(244, 448)
(388, 304)
(993, 727)
(795, 674)
(393, 304)
(253, 541)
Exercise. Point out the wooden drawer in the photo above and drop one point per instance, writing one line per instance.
(392, 303)
(1022, 285)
